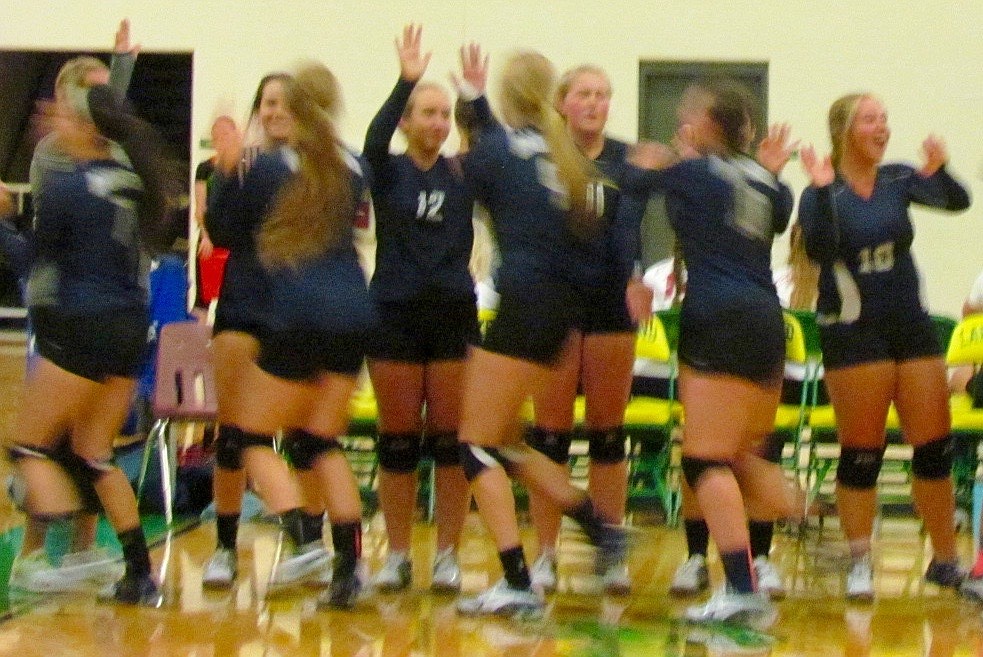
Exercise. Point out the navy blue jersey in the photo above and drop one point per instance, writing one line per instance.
(864, 245)
(423, 218)
(87, 255)
(234, 216)
(326, 293)
(726, 213)
(517, 182)
(615, 251)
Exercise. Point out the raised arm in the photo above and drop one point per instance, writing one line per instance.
(412, 65)
(819, 230)
(774, 152)
(124, 59)
(225, 211)
(933, 186)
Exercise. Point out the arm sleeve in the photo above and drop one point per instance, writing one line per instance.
(484, 160)
(121, 71)
(643, 182)
(383, 126)
(223, 219)
(819, 230)
(626, 233)
(940, 190)
(50, 225)
(781, 206)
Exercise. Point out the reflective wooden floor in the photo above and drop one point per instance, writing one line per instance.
(909, 617)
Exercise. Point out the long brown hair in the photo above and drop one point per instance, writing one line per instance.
(730, 105)
(526, 91)
(314, 207)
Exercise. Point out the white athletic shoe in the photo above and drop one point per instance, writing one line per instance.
(769, 580)
(82, 570)
(221, 570)
(753, 610)
(543, 572)
(860, 580)
(446, 573)
(395, 575)
(972, 588)
(24, 571)
(691, 577)
(502, 600)
(323, 578)
(302, 564)
(616, 580)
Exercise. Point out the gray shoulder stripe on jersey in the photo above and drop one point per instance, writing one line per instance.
(352, 161)
(753, 170)
(526, 144)
(113, 183)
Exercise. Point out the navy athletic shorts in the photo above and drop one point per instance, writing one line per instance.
(94, 346)
(852, 344)
(432, 326)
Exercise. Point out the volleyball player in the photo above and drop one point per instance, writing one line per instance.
(879, 344)
(726, 208)
(428, 316)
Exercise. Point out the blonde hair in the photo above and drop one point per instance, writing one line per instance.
(75, 72)
(526, 89)
(804, 272)
(315, 206)
(420, 88)
(570, 76)
(841, 115)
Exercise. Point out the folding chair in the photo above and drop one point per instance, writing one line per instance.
(184, 391)
(803, 371)
(966, 348)
(651, 421)
(359, 443)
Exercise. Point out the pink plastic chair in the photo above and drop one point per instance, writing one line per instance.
(184, 391)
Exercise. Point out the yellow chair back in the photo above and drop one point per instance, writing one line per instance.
(795, 341)
(485, 317)
(651, 342)
(966, 343)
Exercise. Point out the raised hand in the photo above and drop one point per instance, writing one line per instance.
(474, 69)
(934, 152)
(775, 149)
(819, 170)
(684, 143)
(652, 155)
(412, 62)
(228, 150)
(122, 45)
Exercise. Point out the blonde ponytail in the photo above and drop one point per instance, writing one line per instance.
(527, 88)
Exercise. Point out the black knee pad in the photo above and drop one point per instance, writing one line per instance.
(233, 441)
(555, 445)
(228, 448)
(933, 460)
(607, 445)
(694, 468)
(304, 448)
(859, 466)
(445, 448)
(399, 452)
(475, 460)
(771, 447)
(81, 474)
